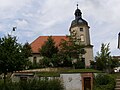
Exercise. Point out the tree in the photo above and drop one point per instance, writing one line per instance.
(27, 51)
(12, 55)
(104, 60)
(48, 50)
(73, 49)
(68, 53)
(103, 57)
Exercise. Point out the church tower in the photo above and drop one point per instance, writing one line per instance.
(80, 30)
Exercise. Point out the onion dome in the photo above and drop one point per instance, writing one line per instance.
(78, 18)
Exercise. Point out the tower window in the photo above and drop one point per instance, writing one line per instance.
(82, 38)
(81, 29)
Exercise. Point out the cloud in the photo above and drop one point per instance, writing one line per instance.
(103, 18)
(50, 17)
(21, 23)
(9, 8)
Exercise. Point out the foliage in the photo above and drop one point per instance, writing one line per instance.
(61, 60)
(93, 64)
(104, 82)
(115, 62)
(49, 48)
(68, 54)
(80, 64)
(12, 55)
(73, 49)
(46, 84)
(35, 66)
(47, 62)
(27, 51)
(104, 60)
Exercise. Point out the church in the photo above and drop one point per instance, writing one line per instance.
(79, 29)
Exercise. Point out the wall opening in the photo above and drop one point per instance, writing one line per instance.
(87, 83)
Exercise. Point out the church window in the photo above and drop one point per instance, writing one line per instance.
(82, 37)
(81, 29)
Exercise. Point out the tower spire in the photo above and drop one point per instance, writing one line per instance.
(77, 5)
(77, 13)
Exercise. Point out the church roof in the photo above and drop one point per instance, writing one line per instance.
(37, 44)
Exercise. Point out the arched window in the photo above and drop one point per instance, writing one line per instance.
(82, 38)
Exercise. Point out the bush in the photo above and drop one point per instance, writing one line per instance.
(104, 82)
(80, 64)
(46, 84)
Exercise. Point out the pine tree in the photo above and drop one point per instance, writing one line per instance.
(104, 60)
(48, 50)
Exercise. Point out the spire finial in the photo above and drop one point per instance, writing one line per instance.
(78, 12)
(77, 5)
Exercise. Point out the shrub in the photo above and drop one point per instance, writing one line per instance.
(45, 84)
(104, 82)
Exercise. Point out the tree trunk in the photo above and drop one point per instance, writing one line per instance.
(5, 73)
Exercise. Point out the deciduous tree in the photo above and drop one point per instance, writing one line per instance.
(12, 55)
(73, 49)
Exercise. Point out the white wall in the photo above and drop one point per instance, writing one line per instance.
(71, 81)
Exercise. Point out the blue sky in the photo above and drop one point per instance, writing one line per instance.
(35, 18)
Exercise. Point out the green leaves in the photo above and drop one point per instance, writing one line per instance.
(73, 50)
(64, 54)
(104, 82)
(49, 48)
(104, 60)
(12, 54)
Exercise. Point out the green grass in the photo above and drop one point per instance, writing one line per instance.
(83, 71)
(65, 70)
(48, 74)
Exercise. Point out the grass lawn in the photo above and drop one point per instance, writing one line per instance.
(65, 70)
(84, 71)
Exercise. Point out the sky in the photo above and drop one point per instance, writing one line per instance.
(34, 18)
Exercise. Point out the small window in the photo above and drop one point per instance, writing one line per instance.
(81, 29)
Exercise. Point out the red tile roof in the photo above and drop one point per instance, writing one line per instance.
(37, 44)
